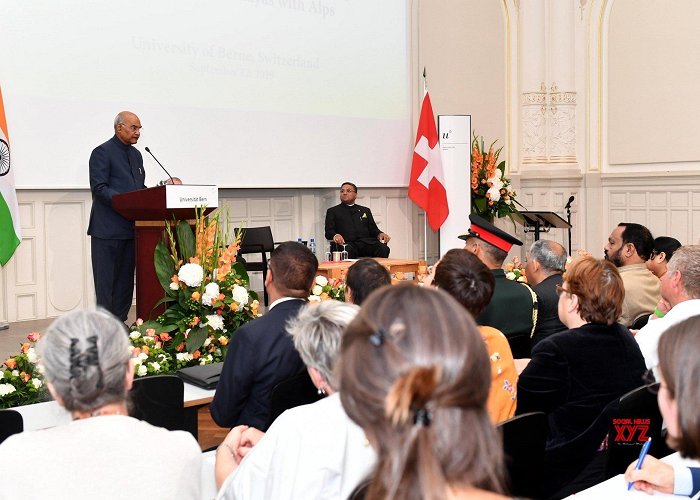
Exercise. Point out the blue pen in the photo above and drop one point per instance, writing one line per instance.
(640, 461)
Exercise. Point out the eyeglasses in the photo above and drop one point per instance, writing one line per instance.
(347, 190)
(560, 289)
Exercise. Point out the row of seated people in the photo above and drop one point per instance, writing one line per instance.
(413, 365)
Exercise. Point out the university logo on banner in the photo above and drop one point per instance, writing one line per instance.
(427, 185)
(10, 235)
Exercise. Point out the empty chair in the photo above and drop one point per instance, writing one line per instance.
(257, 240)
(637, 419)
(159, 401)
(524, 439)
(10, 423)
(295, 391)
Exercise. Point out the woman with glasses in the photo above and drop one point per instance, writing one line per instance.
(574, 374)
(679, 400)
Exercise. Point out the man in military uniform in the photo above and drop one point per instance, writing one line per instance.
(513, 308)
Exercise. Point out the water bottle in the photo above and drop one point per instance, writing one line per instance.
(312, 245)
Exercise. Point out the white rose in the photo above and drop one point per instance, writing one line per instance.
(314, 298)
(207, 342)
(510, 275)
(142, 357)
(134, 335)
(317, 290)
(215, 321)
(155, 365)
(174, 286)
(211, 292)
(522, 280)
(37, 383)
(142, 371)
(240, 295)
(6, 389)
(31, 355)
(183, 356)
(15, 373)
(321, 280)
(191, 274)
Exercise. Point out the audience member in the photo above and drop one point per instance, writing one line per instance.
(311, 451)
(261, 354)
(462, 275)
(513, 307)
(103, 453)
(414, 374)
(680, 288)
(664, 246)
(679, 399)
(353, 225)
(545, 265)
(575, 373)
(364, 276)
(629, 247)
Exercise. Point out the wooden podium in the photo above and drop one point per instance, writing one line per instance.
(149, 209)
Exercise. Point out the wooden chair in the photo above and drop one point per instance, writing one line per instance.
(524, 439)
(638, 417)
(257, 240)
(294, 391)
(159, 400)
(11, 422)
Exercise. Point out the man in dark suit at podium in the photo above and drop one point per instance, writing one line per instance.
(115, 167)
(354, 226)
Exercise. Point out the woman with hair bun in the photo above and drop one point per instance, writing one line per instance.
(103, 453)
(415, 375)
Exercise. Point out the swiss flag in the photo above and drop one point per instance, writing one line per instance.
(427, 185)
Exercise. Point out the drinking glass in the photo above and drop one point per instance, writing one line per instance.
(344, 253)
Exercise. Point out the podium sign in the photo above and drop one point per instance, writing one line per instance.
(149, 209)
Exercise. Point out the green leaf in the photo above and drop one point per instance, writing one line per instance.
(196, 339)
(480, 204)
(165, 267)
(502, 167)
(240, 271)
(185, 240)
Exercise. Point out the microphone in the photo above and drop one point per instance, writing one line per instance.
(161, 165)
(567, 206)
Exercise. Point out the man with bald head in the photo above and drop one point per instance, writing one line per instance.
(115, 167)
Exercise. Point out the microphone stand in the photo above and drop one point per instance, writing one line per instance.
(568, 219)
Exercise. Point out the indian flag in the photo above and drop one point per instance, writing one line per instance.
(10, 235)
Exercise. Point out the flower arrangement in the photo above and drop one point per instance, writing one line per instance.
(21, 382)
(515, 271)
(325, 289)
(206, 290)
(491, 193)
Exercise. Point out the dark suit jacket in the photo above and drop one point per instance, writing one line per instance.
(574, 374)
(695, 473)
(547, 308)
(354, 223)
(261, 354)
(115, 168)
(511, 311)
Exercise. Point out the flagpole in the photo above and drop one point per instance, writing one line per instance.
(425, 219)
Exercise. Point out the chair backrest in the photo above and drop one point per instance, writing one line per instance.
(640, 322)
(294, 391)
(159, 400)
(638, 418)
(568, 466)
(10, 423)
(257, 240)
(524, 439)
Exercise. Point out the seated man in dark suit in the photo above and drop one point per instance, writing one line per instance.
(513, 307)
(544, 268)
(261, 354)
(353, 225)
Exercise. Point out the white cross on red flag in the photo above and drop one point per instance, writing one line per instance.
(427, 185)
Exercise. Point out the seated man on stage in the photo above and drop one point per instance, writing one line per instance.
(353, 225)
